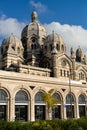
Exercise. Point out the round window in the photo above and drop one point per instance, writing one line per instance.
(63, 63)
(33, 40)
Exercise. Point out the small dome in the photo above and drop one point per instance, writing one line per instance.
(12, 42)
(34, 28)
(55, 40)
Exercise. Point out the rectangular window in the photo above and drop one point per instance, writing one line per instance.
(60, 72)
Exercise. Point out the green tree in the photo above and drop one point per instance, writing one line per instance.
(50, 101)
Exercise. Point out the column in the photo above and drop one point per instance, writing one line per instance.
(11, 110)
(32, 110)
(77, 109)
(64, 110)
(7, 109)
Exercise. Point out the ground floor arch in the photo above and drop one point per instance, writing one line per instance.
(40, 107)
(24, 106)
(70, 105)
(21, 106)
(56, 112)
(82, 105)
(3, 105)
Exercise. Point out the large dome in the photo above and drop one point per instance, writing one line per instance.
(34, 27)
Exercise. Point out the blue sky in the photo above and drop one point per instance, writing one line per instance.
(71, 12)
(66, 17)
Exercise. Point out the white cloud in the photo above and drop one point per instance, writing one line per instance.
(38, 6)
(72, 35)
(10, 25)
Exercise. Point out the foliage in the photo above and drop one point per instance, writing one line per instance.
(49, 99)
(69, 124)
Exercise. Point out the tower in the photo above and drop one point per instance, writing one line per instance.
(32, 37)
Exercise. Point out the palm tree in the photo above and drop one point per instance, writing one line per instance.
(50, 101)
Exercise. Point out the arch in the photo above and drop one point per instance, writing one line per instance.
(21, 96)
(13, 47)
(80, 68)
(66, 66)
(38, 97)
(22, 105)
(3, 96)
(58, 46)
(82, 105)
(24, 88)
(56, 112)
(3, 104)
(70, 101)
(81, 99)
(68, 61)
(81, 72)
(40, 105)
(70, 98)
(5, 89)
(57, 96)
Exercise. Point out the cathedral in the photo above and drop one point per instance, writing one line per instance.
(35, 64)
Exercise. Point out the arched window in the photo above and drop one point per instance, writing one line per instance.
(39, 107)
(82, 105)
(21, 96)
(70, 105)
(69, 99)
(13, 47)
(57, 46)
(81, 76)
(56, 112)
(57, 96)
(21, 106)
(3, 105)
(81, 99)
(38, 97)
(3, 96)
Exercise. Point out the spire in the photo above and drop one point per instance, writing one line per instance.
(72, 53)
(53, 35)
(53, 39)
(34, 15)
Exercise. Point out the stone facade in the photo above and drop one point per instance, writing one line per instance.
(34, 65)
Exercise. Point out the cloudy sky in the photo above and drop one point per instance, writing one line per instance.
(66, 17)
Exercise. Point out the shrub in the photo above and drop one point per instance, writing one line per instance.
(82, 122)
(70, 124)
